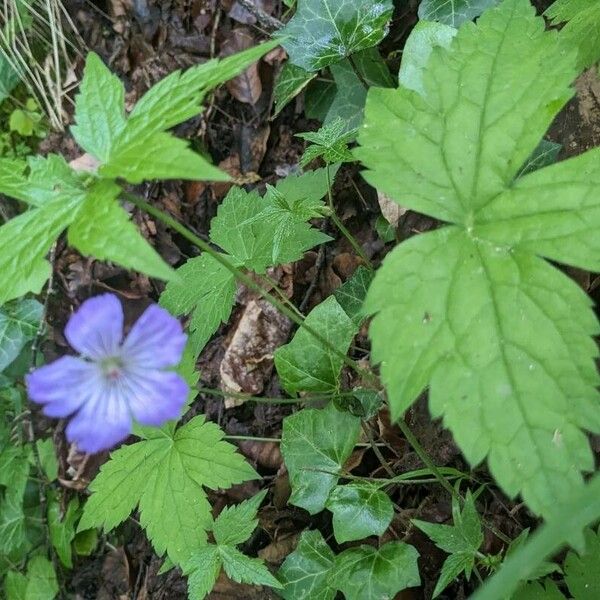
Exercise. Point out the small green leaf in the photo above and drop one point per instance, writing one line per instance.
(243, 569)
(305, 572)
(424, 37)
(323, 32)
(48, 460)
(359, 511)
(351, 295)
(103, 230)
(41, 580)
(290, 81)
(15, 586)
(453, 566)
(305, 365)
(19, 322)
(365, 572)
(206, 290)
(330, 142)
(20, 122)
(315, 445)
(166, 476)
(62, 528)
(582, 571)
(9, 78)
(85, 542)
(235, 524)
(203, 568)
(453, 12)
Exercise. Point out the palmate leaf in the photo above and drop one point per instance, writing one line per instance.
(136, 147)
(323, 32)
(472, 310)
(166, 476)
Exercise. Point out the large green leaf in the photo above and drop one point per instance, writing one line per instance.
(305, 364)
(305, 572)
(453, 12)
(315, 445)
(377, 574)
(467, 309)
(323, 32)
(166, 476)
(19, 322)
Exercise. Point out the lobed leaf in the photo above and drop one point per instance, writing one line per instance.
(19, 322)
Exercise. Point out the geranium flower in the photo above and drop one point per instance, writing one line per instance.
(115, 380)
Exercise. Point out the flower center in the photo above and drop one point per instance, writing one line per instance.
(112, 367)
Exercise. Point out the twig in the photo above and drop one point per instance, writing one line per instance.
(261, 16)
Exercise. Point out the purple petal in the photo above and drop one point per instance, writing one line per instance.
(96, 328)
(155, 397)
(103, 421)
(62, 386)
(155, 341)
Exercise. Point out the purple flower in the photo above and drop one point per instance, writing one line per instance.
(114, 379)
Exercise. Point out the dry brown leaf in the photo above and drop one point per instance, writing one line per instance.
(248, 360)
(240, 14)
(246, 87)
(264, 454)
(391, 211)
(276, 552)
(85, 163)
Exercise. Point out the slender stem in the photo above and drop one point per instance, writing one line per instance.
(338, 223)
(367, 429)
(246, 280)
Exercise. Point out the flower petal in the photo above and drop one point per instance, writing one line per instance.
(96, 328)
(155, 397)
(102, 422)
(62, 386)
(155, 341)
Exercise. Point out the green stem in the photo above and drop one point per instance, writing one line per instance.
(338, 223)
(247, 281)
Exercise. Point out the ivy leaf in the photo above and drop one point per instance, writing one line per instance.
(351, 295)
(359, 511)
(315, 445)
(582, 571)
(544, 155)
(19, 322)
(166, 476)
(103, 230)
(235, 524)
(206, 290)
(466, 309)
(12, 524)
(62, 528)
(305, 572)
(365, 572)
(305, 365)
(290, 81)
(15, 586)
(453, 12)
(323, 32)
(330, 142)
(424, 37)
(243, 569)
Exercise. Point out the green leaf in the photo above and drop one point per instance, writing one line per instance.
(206, 290)
(424, 37)
(359, 511)
(19, 322)
(453, 566)
(315, 445)
(323, 32)
(9, 78)
(62, 528)
(166, 476)
(538, 591)
(290, 81)
(47, 455)
(565, 10)
(103, 230)
(453, 12)
(203, 567)
(85, 542)
(99, 109)
(544, 155)
(305, 572)
(41, 580)
(21, 122)
(466, 309)
(235, 524)
(351, 295)
(243, 569)
(12, 524)
(365, 572)
(15, 586)
(305, 365)
(330, 142)
(582, 571)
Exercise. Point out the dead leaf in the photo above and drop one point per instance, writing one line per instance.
(242, 15)
(246, 87)
(248, 360)
(85, 163)
(264, 454)
(276, 552)
(391, 211)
